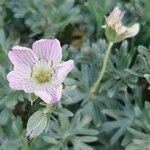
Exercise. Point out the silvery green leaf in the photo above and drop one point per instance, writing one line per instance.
(138, 144)
(36, 124)
(86, 139)
(4, 116)
(50, 140)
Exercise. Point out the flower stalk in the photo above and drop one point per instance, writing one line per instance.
(48, 109)
(115, 32)
(102, 72)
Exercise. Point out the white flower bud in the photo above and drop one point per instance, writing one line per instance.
(115, 31)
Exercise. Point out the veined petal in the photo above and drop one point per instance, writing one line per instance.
(62, 70)
(120, 29)
(44, 95)
(115, 17)
(18, 77)
(56, 93)
(30, 86)
(50, 96)
(22, 56)
(132, 31)
(48, 49)
(14, 82)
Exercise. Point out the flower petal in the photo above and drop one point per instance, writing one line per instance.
(48, 49)
(18, 77)
(50, 96)
(62, 70)
(132, 31)
(56, 93)
(22, 56)
(115, 16)
(29, 86)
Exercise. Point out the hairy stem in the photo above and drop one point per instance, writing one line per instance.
(102, 72)
(48, 109)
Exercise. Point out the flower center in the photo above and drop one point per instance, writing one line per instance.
(42, 72)
(44, 76)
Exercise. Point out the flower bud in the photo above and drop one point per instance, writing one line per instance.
(115, 31)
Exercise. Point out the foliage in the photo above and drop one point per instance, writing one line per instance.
(117, 116)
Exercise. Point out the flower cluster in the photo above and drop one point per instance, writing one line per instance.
(38, 70)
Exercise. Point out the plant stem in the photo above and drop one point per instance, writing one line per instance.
(102, 72)
(48, 108)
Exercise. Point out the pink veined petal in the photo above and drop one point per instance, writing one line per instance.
(14, 82)
(18, 77)
(48, 49)
(29, 86)
(50, 96)
(62, 71)
(44, 95)
(22, 56)
(56, 93)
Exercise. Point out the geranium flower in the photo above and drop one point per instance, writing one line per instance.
(39, 70)
(115, 31)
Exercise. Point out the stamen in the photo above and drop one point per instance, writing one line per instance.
(41, 72)
(44, 76)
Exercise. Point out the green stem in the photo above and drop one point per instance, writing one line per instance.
(102, 72)
(48, 108)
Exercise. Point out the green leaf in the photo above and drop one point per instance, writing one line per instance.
(50, 140)
(63, 111)
(36, 124)
(139, 145)
(81, 146)
(86, 139)
(138, 134)
(4, 116)
(85, 131)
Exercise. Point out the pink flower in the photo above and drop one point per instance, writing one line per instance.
(38, 70)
